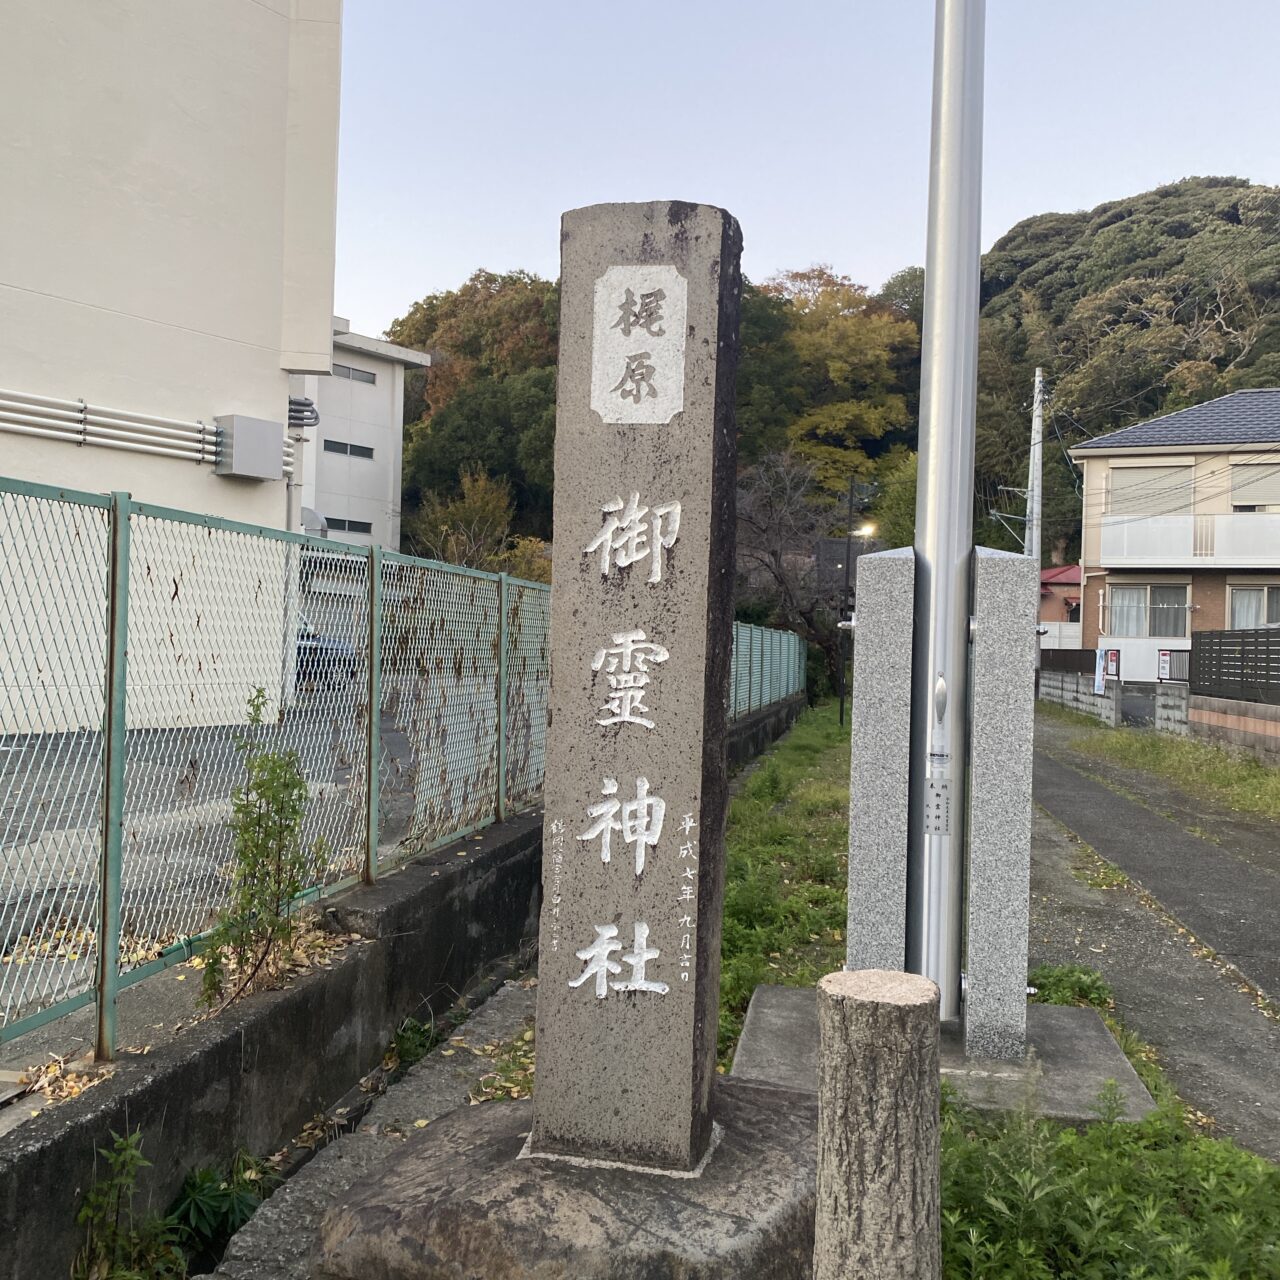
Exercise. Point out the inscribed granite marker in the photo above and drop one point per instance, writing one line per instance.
(641, 636)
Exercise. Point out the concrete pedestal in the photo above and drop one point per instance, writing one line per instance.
(1072, 1057)
(459, 1202)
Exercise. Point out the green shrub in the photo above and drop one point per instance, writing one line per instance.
(1025, 1199)
(121, 1244)
(213, 1205)
(271, 867)
(1070, 984)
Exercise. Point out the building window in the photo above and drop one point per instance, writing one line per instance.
(1128, 611)
(1149, 491)
(354, 450)
(1148, 611)
(356, 375)
(1254, 607)
(338, 525)
(1168, 612)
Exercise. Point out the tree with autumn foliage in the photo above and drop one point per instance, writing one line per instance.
(487, 404)
(847, 345)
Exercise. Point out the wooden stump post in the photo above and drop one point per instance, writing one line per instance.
(878, 1096)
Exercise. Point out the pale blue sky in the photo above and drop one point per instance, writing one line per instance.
(468, 127)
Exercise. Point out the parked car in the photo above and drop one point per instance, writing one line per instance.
(324, 660)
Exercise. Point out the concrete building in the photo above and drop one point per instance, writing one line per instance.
(351, 463)
(1181, 528)
(166, 241)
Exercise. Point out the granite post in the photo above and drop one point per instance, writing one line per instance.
(880, 761)
(998, 820)
(641, 637)
(1002, 727)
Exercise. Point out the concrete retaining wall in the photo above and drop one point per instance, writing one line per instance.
(252, 1077)
(1075, 691)
(753, 734)
(1250, 726)
(1172, 705)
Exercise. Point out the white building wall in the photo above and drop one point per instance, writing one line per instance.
(166, 236)
(167, 215)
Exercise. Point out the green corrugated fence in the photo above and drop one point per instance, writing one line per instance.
(131, 638)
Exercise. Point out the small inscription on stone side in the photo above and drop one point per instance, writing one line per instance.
(637, 369)
(557, 881)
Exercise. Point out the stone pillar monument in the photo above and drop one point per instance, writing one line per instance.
(641, 638)
(629, 1123)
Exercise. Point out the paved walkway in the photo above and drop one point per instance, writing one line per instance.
(1217, 872)
(1219, 1048)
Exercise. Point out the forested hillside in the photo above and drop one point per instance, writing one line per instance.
(1139, 306)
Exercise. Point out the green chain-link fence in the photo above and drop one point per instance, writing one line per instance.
(131, 638)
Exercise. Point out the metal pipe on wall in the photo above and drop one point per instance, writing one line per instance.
(944, 505)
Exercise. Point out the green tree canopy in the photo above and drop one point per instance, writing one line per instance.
(849, 397)
(493, 326)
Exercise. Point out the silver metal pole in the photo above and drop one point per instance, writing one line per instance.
(944, 504)
(1035, 471)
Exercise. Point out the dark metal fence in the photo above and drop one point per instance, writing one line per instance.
(1236, 664)
(1080, 661)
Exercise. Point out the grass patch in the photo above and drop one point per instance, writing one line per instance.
(1056, 711)
(787, 867)
(1091, 868)
(1240, 782)
(1070, 984)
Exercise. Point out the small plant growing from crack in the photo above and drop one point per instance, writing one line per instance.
(270, 866)
(121, 1243)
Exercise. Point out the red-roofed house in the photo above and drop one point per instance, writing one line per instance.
(1060, 607)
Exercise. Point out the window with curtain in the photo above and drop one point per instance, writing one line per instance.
(1128, 611)
(1248, 607)
(1168, 611)
(1254, 607)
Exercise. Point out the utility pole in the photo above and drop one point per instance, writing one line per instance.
(1035, 471)
(844, 633)
(944, 506)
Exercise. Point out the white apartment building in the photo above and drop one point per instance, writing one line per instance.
(169, 170)
(351, 461)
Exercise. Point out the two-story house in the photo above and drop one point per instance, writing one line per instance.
(1181, 528)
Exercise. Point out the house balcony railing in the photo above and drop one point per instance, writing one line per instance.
(1241, 540)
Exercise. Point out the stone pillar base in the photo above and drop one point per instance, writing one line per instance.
(459, 1202)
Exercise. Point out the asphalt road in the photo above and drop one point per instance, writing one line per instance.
(1223, 884)
(1216, 1046)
